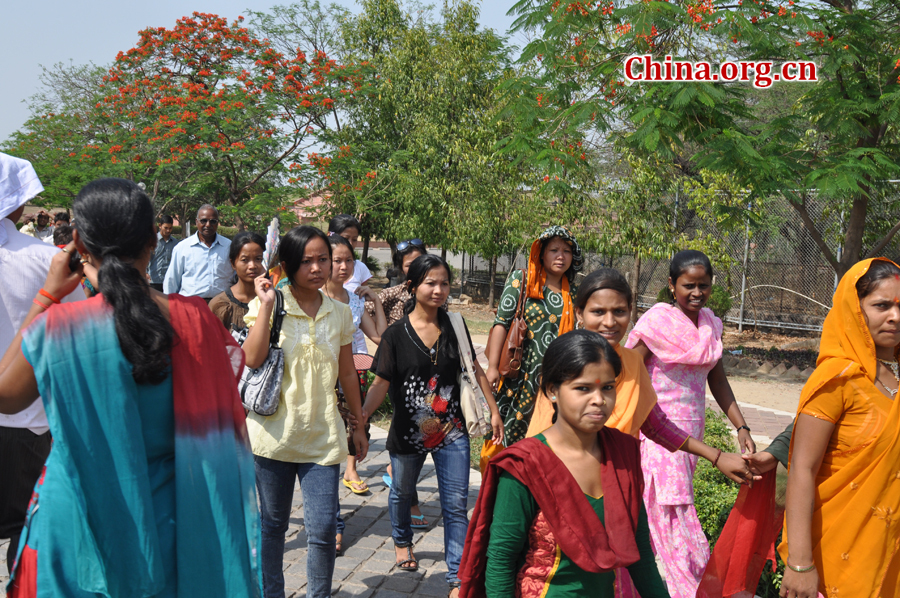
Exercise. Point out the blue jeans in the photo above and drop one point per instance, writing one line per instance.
(451, 464)
(319, 484)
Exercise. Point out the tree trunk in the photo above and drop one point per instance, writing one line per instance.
(635, 284)
(493, 277)
(856, 225)
(443, 254)
(183, 220)
(365, 254)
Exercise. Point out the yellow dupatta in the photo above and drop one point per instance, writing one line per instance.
(635, 398)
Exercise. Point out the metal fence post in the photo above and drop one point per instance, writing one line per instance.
(744, 273)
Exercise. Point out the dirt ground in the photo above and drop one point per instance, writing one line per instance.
(762, 392)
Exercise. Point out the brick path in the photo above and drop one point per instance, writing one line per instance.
(367, 568)
(765, 424)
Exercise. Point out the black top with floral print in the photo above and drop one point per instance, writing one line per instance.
(425, 396)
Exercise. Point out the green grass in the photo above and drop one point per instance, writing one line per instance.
(479, 326)
(475, 445)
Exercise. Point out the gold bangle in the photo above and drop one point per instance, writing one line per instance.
(800, 569)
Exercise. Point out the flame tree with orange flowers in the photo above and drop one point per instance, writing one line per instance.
(206, 110)
(836, 139)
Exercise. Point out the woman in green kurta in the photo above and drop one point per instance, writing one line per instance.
(554, 260)
(522, 542)
(558, 514)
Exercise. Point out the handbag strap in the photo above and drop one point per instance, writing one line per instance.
(462, 340)
(522, 292)
(278, 320)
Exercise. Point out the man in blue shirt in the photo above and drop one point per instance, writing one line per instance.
(200, 265)
(162, 255)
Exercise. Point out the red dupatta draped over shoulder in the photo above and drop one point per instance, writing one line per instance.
(590, 544)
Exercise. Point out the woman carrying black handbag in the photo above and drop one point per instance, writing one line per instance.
(305, 437)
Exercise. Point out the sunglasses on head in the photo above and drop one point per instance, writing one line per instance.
(404, 245)
(209, 220)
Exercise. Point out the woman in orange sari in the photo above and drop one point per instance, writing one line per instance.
(842, 528)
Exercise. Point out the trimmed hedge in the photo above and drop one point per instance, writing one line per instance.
(714, 494)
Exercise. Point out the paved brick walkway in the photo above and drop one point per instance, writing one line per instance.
(765, 424)
(367, 567)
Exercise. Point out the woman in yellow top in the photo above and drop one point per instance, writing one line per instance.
(305, 438)
(842, 527)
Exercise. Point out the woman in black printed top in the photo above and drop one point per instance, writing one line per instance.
(418, 360)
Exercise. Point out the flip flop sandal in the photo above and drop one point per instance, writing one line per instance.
(338, 548)
(411, 562)
(422, 524)
(359, 487)
(387, 480)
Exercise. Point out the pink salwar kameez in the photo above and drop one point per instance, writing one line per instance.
(682, 356)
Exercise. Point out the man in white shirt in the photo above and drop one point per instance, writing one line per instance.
(200, 265)
(40, 227)
(24, 262)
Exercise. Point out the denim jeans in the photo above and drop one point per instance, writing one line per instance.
(451, 465)
(319, 484)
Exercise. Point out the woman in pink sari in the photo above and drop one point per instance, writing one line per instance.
(682, 348)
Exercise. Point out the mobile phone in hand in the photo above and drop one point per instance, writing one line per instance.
(74, 260)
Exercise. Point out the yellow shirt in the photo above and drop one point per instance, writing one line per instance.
(307, 427)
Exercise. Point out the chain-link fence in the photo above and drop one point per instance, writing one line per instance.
(787, 283)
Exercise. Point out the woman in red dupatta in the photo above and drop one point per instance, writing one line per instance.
(560, 512)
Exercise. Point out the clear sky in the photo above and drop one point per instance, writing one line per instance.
(34, 33)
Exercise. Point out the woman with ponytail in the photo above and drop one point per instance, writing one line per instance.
(140, 392)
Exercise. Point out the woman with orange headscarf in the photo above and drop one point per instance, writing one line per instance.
(554, 260)
(842, 528)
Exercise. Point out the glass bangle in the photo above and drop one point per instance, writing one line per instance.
(800, 569)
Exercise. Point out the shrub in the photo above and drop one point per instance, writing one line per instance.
(372, 264)
(719, 301)
(714, 494)
(664, 295)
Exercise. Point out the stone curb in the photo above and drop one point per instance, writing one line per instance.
(782, 371)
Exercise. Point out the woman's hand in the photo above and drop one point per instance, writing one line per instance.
(265, 290)
(61, 279)
(799, 585)
(497, 427)
(746, 442)
(761, 462)
(493, 377)
(361, 443)
(366, 292)
(736, 468)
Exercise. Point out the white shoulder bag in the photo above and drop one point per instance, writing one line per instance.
(471, 399)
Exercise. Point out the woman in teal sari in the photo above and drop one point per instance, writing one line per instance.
(149, 487)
